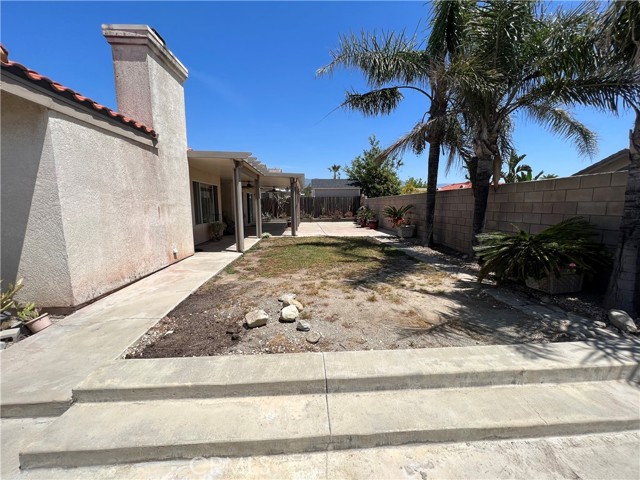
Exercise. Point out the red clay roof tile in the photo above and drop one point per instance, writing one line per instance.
(25, 73)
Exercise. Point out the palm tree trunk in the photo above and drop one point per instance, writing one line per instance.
(624, 286)
(432, 187)
(481, 194)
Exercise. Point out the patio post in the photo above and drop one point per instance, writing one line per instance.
(237, 205)
(258, 208)
(294, 202)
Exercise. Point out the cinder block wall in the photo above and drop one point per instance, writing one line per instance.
(531, 206)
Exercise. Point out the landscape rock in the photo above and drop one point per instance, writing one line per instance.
(599, 324)
(256, 318)
(622, 320)
(314, 337)
(303, 326)
(286, 297)
(289, 314)
(295, 303)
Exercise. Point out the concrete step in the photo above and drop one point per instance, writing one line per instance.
(332, 372)
(124, 432)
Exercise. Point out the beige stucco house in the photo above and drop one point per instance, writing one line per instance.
(93, 199)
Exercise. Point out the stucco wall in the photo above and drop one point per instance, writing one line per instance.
(532, 206)
(169, 120)
(32, 241)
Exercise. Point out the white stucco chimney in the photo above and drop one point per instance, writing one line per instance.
(141, 62)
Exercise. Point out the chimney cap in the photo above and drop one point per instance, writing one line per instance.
(122, 34)
(4, 53)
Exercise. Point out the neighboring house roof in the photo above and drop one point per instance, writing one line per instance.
(55, 88)
(455, 186)
(617, 162)
(332, 183)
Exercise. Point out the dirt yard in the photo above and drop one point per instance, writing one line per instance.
(357, 294)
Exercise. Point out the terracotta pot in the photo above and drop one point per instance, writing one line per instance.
(40, 323)
(373, 224)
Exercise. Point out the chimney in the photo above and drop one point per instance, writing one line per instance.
(148, 76)
(4, 54)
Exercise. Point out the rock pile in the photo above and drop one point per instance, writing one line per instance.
(289, 313)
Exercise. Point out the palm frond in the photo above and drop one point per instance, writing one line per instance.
(381, 59)
(375, 102)
(562, 123)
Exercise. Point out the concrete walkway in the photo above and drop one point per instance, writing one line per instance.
(39, 372)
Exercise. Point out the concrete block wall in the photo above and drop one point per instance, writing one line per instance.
(417, 214)
(534, 206)
(531, 206)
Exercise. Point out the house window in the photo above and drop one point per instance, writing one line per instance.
(205, 203)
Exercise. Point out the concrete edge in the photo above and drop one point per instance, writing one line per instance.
(84, 458)
(33, 410)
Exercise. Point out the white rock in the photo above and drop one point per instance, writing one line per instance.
(289, 314)
(303, 326)
(256, 318)
(622, 320)
(286, 296)
(295, 303)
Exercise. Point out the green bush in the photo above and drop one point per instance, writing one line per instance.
(567, 246)
(216, 230)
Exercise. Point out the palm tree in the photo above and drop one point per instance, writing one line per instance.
(517, 56)
(336, 171)
(394, 63)
(620, 42)
(516, 171)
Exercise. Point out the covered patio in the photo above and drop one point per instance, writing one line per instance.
(227, 187)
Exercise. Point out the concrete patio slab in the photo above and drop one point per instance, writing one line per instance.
(598, 456)
(480, 366)
(38, 374)
(159, 430)
(204, 377)
(370, 419)
(336, 229)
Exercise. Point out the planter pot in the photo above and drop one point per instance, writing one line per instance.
(373, 224)
(363, 222)
(566, 283)
(406, 231)
(40, 323)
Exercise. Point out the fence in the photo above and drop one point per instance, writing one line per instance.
(328, 207)
(531, 206)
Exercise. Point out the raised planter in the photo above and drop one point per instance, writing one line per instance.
(406, 231)
(565, 283)
(40, 323)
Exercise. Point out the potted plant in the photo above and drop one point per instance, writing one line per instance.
(553, 261)
(400, 220)
(30, 316)
(216, 230)
(372, 221)
(363, 215)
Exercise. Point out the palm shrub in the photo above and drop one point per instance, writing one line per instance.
(566, 246)
(397, 215)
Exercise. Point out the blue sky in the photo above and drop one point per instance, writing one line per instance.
(252, 84)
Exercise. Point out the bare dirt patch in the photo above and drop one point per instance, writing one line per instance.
(358, 294)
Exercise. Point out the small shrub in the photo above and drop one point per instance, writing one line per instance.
(266, 235)
(216, 230)
(567, 246)
(28, 312)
